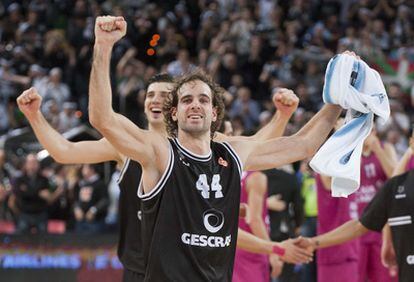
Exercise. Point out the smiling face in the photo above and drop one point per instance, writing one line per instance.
(195, 112)
(157, 92)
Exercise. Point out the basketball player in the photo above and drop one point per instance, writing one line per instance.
(249, 266)
(190, 186)
(392, 205)
(64, 151)
(377, 164)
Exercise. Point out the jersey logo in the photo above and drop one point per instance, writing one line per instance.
(223, 162)
(184, 162)
(139, 215)
(410, 259)
(213, 220)
(400, 191)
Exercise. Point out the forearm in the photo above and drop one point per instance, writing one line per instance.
(386, 158)
(51, 140)
(259, 228)
(317, 129)
(100, 94)
(249, 242)
(275, 128)
(402, 164)
(344, 233)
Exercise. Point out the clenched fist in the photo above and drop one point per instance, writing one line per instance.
(109, 29)
(29, 102)
(285, 101)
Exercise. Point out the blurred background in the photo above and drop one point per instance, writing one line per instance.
(249, 47)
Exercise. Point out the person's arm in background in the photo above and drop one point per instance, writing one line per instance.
(256, 187)
(326, 181)
(386, 154)
(286, 102)
(388, 256)
(62, 150)
(401, 166)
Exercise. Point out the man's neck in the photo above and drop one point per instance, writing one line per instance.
(199, 145)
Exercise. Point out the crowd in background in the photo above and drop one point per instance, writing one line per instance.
(249, 47)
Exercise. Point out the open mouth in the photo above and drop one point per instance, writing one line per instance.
(194, 116)
(156, 110)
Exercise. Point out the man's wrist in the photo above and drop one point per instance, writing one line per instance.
(315, 242)
(278, 250)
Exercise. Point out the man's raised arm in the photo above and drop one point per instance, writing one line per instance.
(124, 135)
(286, 102)
(276, 152)
(62, 150)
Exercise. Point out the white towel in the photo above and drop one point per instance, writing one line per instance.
(353, 85)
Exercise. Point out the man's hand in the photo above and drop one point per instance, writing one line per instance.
(285, 101)
(78, 214)
(109, 29)
(373, 142)
(29, 102)
(295, 253)
(90, 214)
(306, 243)
(277, 266)
(275, 203)
(351, 53)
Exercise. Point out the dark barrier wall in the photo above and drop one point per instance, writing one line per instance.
(66, 258)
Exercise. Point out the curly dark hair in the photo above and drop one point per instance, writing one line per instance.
(172, 100)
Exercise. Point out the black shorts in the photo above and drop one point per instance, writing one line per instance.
(131, 276)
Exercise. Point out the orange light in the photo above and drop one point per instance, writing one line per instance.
(156, 37)
(78, 114)
(150, 52)
(153, 43)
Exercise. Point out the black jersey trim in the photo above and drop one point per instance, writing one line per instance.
(161, 183)
(235, 156)
(123, 170)
(190, 154)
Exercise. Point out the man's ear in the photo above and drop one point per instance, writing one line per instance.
(174, 113)
(214, 114)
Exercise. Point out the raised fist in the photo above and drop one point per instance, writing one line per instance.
(285, 101)
(29, 102)
(109, 29)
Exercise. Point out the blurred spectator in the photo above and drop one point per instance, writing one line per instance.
(5, 188)
(182, 65)
(92, 201)
(247, 108)
(68, 118)
(52, 88)
(31, 197)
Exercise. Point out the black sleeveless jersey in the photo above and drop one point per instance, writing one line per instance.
(190, 218)
(130, 243)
